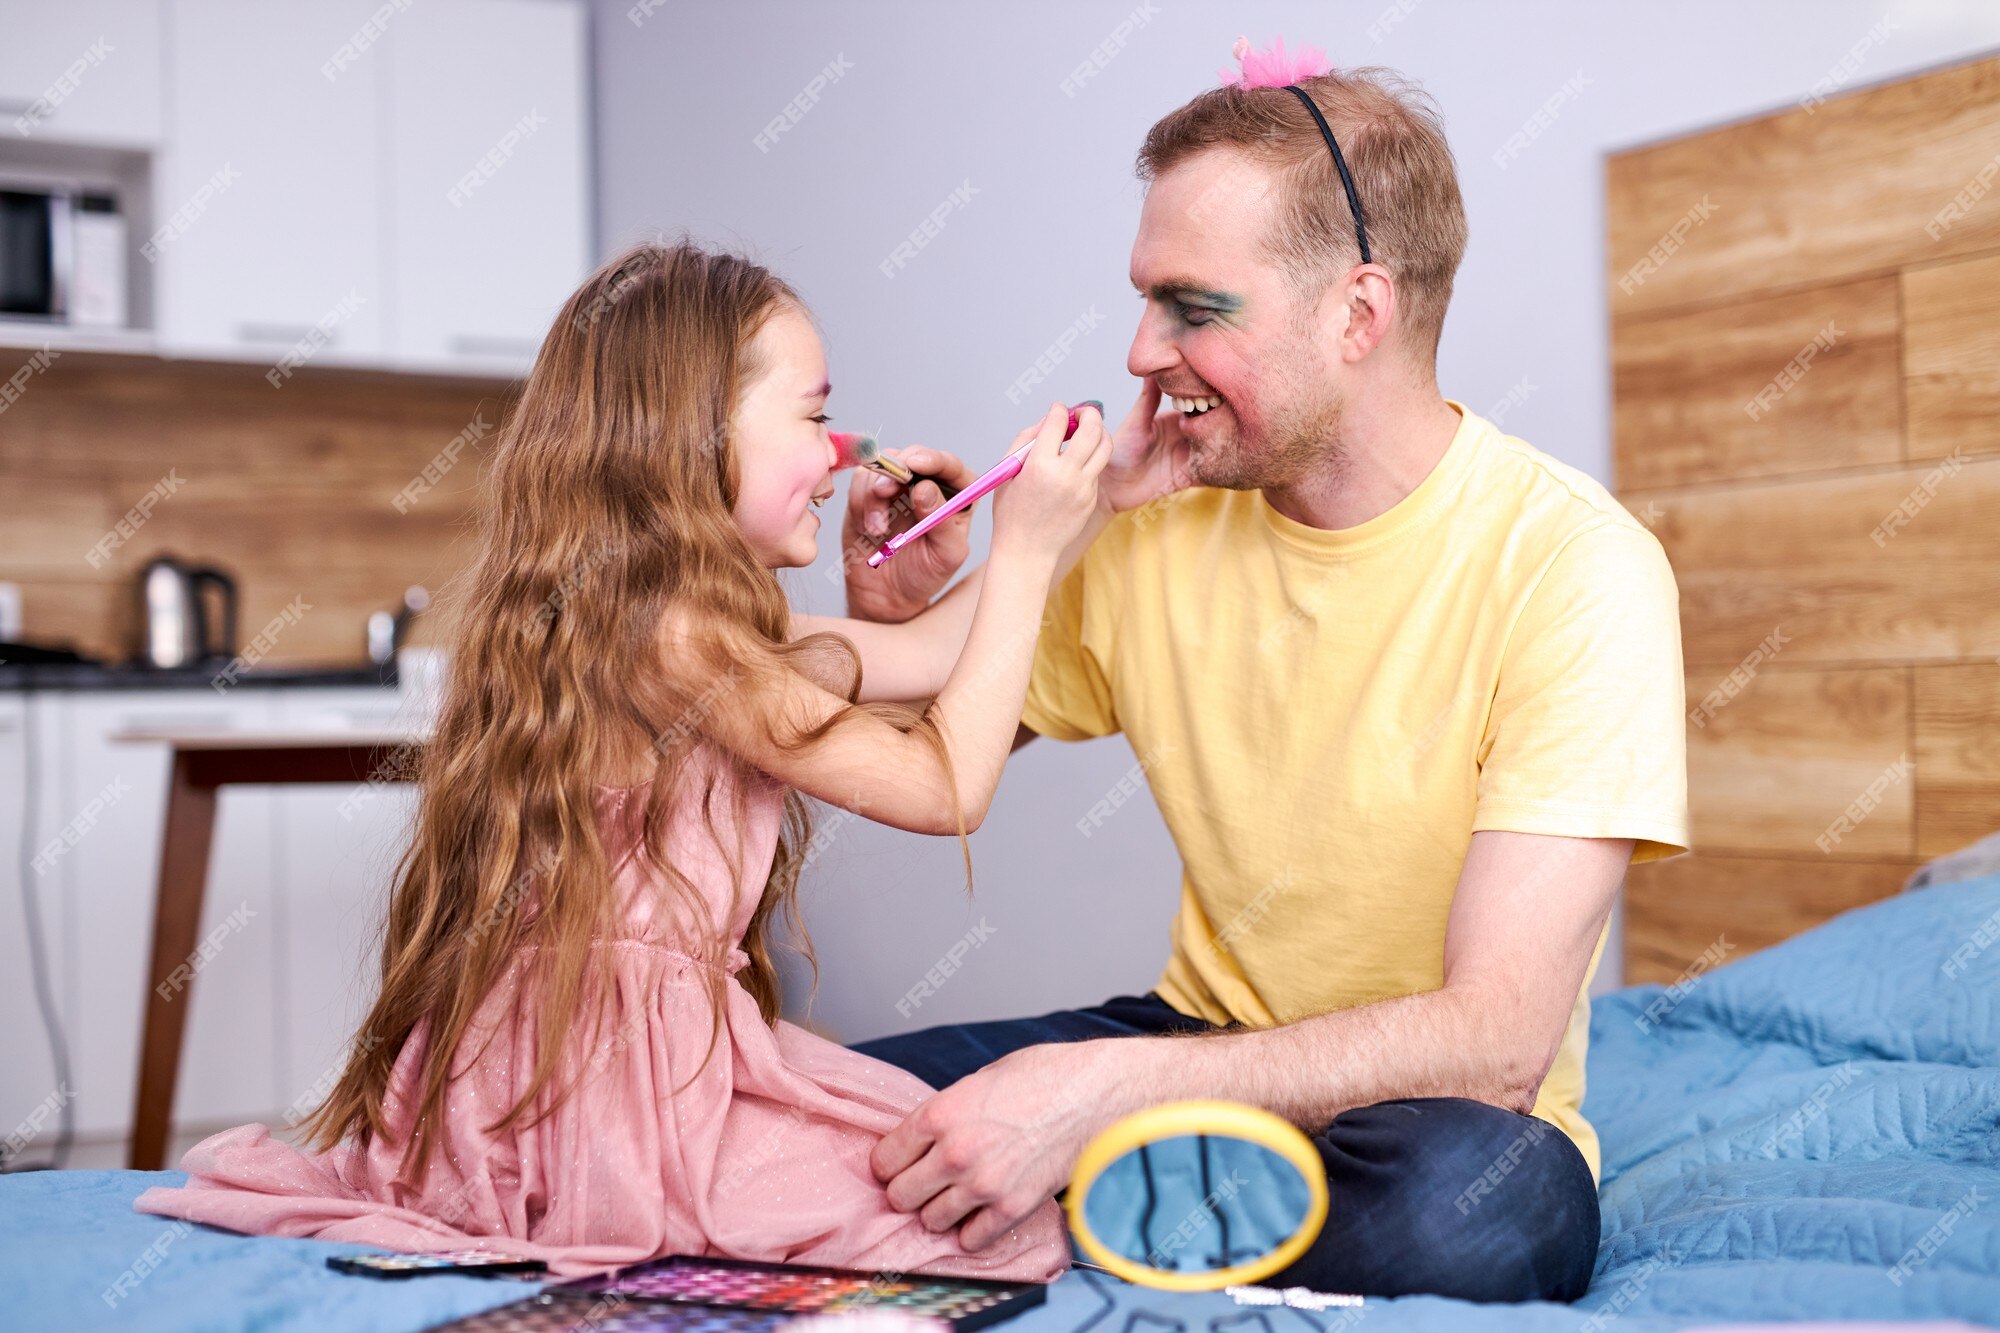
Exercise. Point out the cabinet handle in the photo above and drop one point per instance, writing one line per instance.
(286, 333)
(476, 344)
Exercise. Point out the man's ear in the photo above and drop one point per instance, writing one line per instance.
(1359, 309)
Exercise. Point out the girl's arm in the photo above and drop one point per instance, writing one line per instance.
(898, 778)
(912, 660)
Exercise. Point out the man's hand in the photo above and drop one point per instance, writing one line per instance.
(877, 507)
(997, 1144)
(1149, 455)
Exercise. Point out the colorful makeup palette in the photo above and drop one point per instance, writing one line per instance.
(560, 1311)
(964, 1303)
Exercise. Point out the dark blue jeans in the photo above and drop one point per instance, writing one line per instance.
(1436, 1196)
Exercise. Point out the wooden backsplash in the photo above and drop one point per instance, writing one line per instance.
(1806, 374)
(292, 490)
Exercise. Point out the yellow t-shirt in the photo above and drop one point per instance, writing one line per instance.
(1326, 717)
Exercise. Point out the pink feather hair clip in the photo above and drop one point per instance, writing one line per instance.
(1273, 68)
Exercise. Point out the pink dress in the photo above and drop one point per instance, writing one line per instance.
(763, 1156)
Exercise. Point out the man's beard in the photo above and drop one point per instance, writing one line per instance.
(1300, 436)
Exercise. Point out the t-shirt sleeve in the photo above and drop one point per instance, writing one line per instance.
(1588, 735)
(1069, 690)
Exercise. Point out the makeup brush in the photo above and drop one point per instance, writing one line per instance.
(858, 449)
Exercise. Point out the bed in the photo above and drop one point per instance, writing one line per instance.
(1810, 1133)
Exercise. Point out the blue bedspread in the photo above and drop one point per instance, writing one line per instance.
(1813, 1132)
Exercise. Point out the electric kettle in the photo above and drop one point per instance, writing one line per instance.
(174, 625)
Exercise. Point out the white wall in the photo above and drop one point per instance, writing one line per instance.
(934, 97)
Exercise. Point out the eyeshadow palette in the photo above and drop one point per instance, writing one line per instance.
(964, 1303)
(560, 1311)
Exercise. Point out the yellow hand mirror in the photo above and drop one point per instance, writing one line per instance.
(1197, 1195)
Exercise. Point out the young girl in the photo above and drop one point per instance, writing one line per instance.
(576, 1053)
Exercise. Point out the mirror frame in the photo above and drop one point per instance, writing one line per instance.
(1172, 1120)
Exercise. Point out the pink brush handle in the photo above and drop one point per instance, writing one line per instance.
(1004, 470)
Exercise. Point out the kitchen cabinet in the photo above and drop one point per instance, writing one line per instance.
(489, 177)
(326, 184)
(81, 72)
(295, 893)
(269, 198)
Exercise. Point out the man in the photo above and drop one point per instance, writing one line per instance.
(1410, 694)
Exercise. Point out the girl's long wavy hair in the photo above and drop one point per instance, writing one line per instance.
(608, 502)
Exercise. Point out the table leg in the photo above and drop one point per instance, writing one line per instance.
(184, 848)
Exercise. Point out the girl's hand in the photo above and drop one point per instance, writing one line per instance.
(1055, 494)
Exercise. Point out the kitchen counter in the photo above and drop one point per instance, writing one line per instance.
(20, 676)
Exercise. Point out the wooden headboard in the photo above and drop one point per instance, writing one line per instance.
(1805, 318)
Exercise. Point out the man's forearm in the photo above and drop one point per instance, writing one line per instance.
(1442, 1043)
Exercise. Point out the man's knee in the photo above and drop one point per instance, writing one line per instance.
(1453, 1197)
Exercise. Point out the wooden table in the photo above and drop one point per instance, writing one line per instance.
(204, 760)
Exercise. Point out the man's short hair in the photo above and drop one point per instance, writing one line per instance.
(1391, 134)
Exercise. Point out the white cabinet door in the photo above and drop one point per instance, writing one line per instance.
(268, 211)
(81, 71)
(489, 129)
(27, 1075)
(338, 846)
(110, 877)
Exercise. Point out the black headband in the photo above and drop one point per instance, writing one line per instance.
(1346, 181)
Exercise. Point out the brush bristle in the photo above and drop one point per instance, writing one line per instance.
(853, 447)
